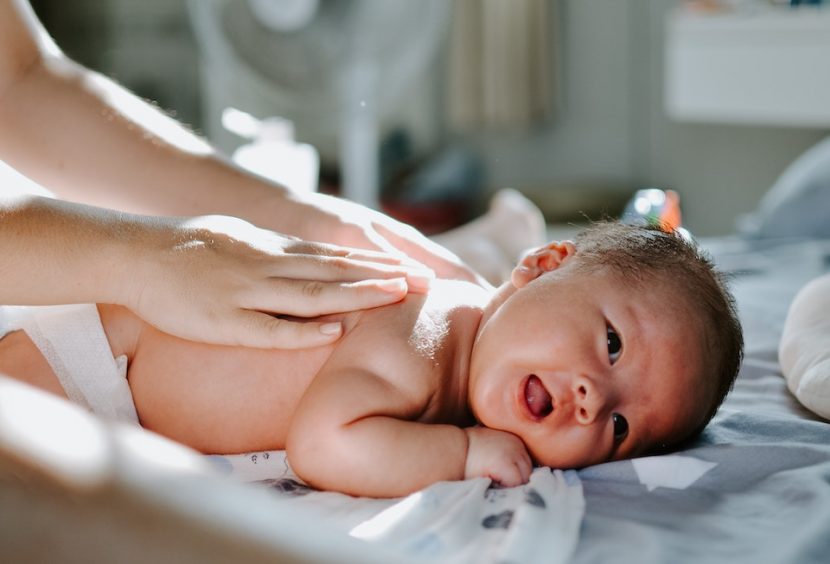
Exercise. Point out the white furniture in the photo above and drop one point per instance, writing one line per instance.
(762, 65)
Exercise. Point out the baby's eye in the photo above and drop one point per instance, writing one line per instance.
(614, 344)
(620, 427)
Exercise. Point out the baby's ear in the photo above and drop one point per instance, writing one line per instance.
(540, 260)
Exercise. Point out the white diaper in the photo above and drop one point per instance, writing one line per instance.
(72, 340)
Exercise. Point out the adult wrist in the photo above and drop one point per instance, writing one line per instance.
(137, 250)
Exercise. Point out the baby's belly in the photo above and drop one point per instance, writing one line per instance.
(219, 399)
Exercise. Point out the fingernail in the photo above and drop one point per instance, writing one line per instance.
(393, 285)
(331, 328)
(419, 282)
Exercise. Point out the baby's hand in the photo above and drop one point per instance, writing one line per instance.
(497, 455)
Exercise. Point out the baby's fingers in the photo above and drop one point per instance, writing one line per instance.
(508, 476)
(525, 466)
(515, 471)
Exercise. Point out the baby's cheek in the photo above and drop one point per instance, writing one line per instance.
(574, 449)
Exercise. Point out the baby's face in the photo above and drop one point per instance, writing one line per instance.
(586, 368)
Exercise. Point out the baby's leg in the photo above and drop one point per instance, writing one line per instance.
(494, 243)
(63, 350)
(20, 359)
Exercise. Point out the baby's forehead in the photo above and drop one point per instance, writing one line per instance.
(639, 282)
(685, 407)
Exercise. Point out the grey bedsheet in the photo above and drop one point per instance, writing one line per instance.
(758, 489)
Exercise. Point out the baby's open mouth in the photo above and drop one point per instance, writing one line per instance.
(537, 397)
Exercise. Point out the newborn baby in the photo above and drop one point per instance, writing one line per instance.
(602, 349)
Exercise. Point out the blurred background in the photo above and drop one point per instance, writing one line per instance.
(426, 108)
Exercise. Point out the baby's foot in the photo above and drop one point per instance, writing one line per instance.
(515, 223)
(493, 243)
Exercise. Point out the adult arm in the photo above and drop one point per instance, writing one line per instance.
(208, 278)
(804, 351)
(89, 140)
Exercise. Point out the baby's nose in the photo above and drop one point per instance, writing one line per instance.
(589, 399)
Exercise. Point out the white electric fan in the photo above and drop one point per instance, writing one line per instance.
(333, 67)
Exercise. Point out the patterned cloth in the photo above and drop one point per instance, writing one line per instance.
(465, 521)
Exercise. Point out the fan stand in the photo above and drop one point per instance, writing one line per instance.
(359, 138)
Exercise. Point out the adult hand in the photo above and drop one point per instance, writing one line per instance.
(219, 279)
(334, 220)
(88, 140)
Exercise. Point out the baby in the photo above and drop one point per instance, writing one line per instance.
(606, 348)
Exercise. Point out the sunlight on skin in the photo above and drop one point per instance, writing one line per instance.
(164, 127)
(222, 223)
(47, 46)
(233, 227)
(13, 184)
(132, 108)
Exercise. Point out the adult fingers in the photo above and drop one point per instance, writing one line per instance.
(261, 330)
(336, 268)
(391, 256)
(311, 298)
(433, 255)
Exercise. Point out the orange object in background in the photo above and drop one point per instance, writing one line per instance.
(670, 215)
(653, 206)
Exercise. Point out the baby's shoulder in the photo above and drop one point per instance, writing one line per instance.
(413, 339)
(422, 321)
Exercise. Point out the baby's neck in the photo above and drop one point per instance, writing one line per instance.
(464, 317)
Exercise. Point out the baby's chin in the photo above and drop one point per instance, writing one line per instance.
(560, 463)
(563, 460)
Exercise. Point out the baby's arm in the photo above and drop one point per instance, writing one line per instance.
(497, 455)
(353, 433)
(804, 352)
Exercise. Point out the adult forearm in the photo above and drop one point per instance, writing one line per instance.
(89, 140)
(54, 252)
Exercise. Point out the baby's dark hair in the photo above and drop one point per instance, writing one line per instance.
(638, 252)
